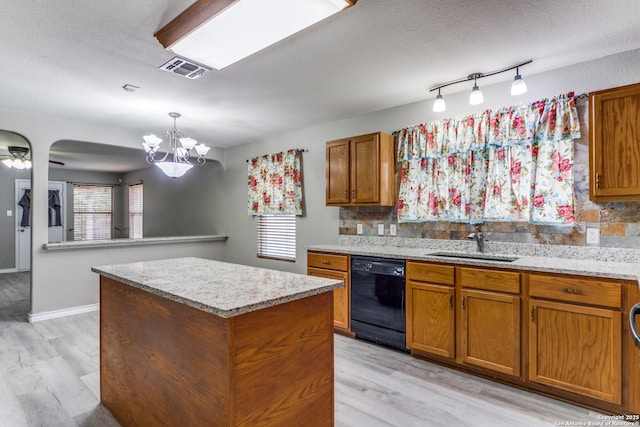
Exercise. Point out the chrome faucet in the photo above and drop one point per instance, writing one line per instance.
(479, 237)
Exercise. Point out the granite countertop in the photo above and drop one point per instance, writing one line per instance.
(84, 244)
(220, 288)
(549, 264)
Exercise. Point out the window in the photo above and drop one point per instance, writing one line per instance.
(277, 237)
(92, 212)
(135, 211)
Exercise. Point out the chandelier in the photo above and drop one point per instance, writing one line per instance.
(179, 148)
(18, 158)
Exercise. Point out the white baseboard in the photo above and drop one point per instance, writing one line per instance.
(46, 315)
(8, 270)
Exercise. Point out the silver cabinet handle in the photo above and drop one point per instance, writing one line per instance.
(635, 310)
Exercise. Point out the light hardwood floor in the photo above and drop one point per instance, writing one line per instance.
(49, 377)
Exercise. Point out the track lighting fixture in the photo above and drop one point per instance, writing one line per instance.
(518, 87)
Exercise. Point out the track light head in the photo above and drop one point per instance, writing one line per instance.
(476, 96)
(518, 87)
(439, 105)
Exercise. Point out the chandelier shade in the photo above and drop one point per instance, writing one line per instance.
(174, 169)
(179, 149)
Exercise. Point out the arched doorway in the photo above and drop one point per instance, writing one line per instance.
(15, 219)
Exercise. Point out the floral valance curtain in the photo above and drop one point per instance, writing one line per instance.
(275, 184)
(513, 164)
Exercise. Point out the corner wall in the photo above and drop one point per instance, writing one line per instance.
(63, 279)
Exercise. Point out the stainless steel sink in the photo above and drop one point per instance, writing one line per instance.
(477, 256)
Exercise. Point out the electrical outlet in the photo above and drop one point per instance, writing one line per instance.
(9, 213)
(392, 230)
(593, 236)
(380, 229)
(359, 228)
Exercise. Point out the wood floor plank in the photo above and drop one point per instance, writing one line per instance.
(11, 411)
(49, 376)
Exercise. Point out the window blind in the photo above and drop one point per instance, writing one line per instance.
(135, 211)
(92, 212)
(277, 237)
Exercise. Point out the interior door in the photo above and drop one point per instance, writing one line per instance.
(23, 225)
(23, 233)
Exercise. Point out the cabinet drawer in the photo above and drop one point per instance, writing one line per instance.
(573, 289)
(328, 261)
(490, 280)
(432, 273)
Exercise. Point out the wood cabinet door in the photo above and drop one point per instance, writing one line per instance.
(490, 331)
(576, 348)
(430, 318)
(341, 311)
(337, 172)
(614, 126)
(365, 169)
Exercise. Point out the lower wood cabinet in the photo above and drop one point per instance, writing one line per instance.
(334, 266)
(561, 335)
(431, 318)
(431, 309)
(490, 319)
(574, 346)
(490, 331)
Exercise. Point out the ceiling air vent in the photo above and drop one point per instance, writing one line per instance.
(184, 68)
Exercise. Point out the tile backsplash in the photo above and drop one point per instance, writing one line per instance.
(618, 222)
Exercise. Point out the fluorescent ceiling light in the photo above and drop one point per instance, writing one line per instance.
(218, 34)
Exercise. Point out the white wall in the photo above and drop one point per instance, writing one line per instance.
(63, 279)
(184, 206)
(320, 225)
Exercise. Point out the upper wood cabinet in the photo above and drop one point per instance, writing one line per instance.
(361, 171)
(614, 144)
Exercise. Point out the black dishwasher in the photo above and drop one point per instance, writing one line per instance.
(378, 311)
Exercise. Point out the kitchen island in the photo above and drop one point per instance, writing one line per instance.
(197, 342)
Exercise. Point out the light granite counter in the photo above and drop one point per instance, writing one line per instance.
(108, 243)
(195, 342)
(220, 288)
(548, 262)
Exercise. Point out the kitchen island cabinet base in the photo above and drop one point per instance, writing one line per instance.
(165, 363)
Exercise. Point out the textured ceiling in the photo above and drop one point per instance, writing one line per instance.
(70, 59)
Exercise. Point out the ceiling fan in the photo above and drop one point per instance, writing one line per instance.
(18, 158)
